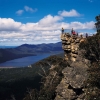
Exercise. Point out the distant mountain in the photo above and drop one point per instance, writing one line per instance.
(28, 50)
(44, 48)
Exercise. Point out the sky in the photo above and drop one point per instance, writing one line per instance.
(40, 21)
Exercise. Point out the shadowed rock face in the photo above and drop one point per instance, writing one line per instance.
(72, 84)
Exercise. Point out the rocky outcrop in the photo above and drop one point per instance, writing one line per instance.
(72, 85)
(70, 45)
(66, 78)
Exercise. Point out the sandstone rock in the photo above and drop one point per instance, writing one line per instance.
(73, 59)
(67, 34)
(74, 36)
(77, 40)
(72, 40)
(73, 55)
(68, 42)
(72, 85)
(63, 42)
(63, 37)
(74, 51)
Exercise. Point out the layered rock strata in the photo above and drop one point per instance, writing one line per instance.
(70, 45)
(72, 85)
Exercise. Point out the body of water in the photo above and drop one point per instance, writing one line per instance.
(25, 61)
(4, 47)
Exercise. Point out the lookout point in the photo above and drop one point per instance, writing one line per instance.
(70, 44)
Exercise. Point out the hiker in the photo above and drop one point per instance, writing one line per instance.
(62, 30)
(81, 36)
(86, 35)
(72, 31)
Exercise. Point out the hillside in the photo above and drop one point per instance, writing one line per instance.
(16, 81)
(28, 50)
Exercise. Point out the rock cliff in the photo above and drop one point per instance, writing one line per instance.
(72, 85)
(70, 45)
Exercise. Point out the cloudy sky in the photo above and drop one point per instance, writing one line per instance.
(40, 21)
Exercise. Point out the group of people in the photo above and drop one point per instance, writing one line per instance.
(74, 33)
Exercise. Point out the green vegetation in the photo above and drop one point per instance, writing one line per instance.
(92, 48)
(17, 81)
(92, 52)
(50, 81)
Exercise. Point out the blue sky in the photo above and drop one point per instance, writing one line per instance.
(40, 21)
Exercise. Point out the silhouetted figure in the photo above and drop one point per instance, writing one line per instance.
(81, 36)
(86, 35)
(62, 30)
(72, 31)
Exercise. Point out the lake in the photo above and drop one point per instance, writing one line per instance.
(25, 61)
(3, 47)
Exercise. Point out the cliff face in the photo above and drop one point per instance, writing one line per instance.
(72, 85)
(70, 45)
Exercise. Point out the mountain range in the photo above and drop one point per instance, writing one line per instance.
(28, 50)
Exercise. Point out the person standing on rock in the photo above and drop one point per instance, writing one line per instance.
(72, 31)
(86, 35)
(62, 30)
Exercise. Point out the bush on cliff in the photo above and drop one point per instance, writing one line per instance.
(92, 52)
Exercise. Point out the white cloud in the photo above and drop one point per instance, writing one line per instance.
(71, 13)
(29, 9)
(26, 8)
(48, 29)
(19, 12)
(49, 19)
(8, 24)
(79, 25)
